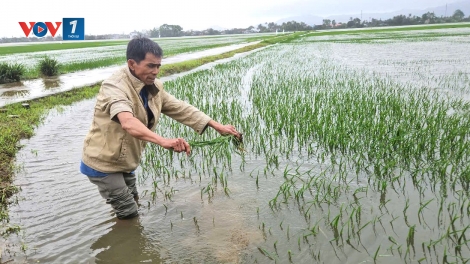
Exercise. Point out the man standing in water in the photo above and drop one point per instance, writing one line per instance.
(126, 113)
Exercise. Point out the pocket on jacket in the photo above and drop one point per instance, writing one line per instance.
(123, 150)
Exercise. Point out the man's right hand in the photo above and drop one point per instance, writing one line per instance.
(135, 128)
(177, 145)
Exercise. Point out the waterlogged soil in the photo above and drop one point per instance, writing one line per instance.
(32, 89)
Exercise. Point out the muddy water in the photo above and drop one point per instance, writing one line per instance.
(32, 89)
(64, 219)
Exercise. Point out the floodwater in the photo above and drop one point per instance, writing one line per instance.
(32, 89)
(65, 220)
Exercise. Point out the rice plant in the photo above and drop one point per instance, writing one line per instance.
(11, 72)
(48, 66)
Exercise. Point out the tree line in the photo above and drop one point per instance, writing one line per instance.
(400, 20)
(166, 30)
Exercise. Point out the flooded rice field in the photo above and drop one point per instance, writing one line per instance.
(344, 161)
(389, 36)
(32, 89)
(170, 47)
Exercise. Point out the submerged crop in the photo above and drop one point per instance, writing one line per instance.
(363, 162)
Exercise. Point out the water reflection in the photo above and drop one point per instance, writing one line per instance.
(17, 93)
(125, 243)
(13, 84)
(51, 82)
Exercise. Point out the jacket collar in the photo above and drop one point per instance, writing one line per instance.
(138, 85)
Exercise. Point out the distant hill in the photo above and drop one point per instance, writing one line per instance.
(439, 11)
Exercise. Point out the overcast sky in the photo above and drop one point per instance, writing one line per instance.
(103, 17)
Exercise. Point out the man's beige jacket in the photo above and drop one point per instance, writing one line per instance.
(108, 148)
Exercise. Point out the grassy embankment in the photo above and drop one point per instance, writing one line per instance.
(23, 122)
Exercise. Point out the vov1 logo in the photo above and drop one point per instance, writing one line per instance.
(72, 28)
(40, 29)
